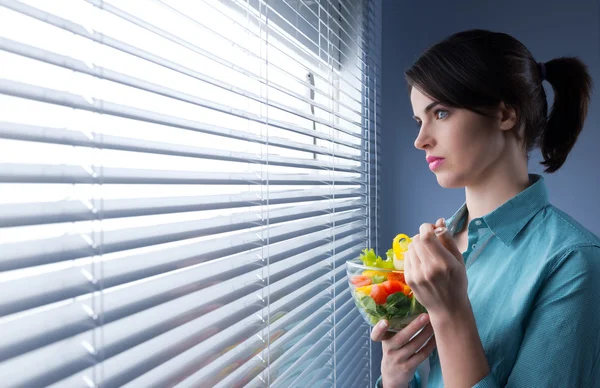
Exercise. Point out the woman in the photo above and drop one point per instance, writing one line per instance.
(511, 283)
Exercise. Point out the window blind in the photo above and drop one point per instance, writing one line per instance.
(181, 184)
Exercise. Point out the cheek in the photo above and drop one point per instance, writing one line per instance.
(472, 150)
(479, 147)
(479, 141)
(488, 147)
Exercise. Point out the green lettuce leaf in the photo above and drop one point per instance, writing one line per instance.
(378, 279)
(398, 305)
(369, 305)
(370, 259)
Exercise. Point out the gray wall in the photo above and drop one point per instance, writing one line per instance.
(549, 28)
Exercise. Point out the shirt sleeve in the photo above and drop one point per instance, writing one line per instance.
(561, 342)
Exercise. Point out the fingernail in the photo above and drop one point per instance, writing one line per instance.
(382, 325)
(440, 231)
(423, 318)
(444, 221)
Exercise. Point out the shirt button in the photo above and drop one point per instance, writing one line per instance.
(478, 222)
(473, 246)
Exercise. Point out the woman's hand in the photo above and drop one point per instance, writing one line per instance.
(434, 269)
(401, 354)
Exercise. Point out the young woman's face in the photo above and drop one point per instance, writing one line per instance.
(467, 144)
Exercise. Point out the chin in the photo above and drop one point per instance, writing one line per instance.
(448, 180)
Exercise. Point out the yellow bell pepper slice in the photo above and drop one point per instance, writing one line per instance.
(400, 245)
(365, 289)
(370, 273)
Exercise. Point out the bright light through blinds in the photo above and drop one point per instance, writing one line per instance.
(175, 178)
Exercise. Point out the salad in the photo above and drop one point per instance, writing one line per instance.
(379, 288)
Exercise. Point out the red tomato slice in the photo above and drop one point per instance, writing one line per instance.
(379, 294)
(361, 280)
(393, 286)
(397, 276)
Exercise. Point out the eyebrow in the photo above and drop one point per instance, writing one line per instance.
(428, 108)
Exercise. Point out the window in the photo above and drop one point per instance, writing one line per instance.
(180, 185)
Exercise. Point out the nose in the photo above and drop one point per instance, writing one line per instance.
(424, 140)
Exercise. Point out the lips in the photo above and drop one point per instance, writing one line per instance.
(434, 162)
(431, 159)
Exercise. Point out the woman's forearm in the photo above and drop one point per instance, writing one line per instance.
(459, 347)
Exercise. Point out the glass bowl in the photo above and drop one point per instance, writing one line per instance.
(382, 294)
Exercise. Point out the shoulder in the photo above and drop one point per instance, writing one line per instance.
(572, 231)
(568, 240)
(571, 227)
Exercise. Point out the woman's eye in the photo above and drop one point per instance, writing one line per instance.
(419, 124)
(441, 114)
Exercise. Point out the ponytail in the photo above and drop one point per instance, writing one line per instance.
(572, 85)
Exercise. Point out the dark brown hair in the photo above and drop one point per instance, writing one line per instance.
(478, 69)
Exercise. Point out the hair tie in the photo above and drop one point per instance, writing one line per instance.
(542, 70)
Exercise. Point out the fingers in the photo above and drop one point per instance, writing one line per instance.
(412, 263)
(425, 230)
(413, 255)
(416, 359)
(418, 341)
(425, 260)
(448, 242)
(403, 337)
(407, 264)
(380, 333)
(436, 246)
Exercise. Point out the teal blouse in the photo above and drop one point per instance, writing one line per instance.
(534, 285)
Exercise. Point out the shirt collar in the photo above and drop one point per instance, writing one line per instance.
(509, 219)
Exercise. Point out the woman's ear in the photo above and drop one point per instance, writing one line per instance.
(508, 117)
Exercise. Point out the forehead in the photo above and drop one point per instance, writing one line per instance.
(419, 100)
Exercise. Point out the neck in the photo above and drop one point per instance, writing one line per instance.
(499, 185)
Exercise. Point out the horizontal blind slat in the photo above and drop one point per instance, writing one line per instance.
(305, 67)
(166, 35)
(311, 332)
(71, 174)
(306, 296)
(138, 83)
(360, 368)
(164, 311)
(318, 368)
(343, 340)
(284, 374)
(24, 254)
(356, 43)
(104, 141)
(33, 213)
(122, 334)
(281, 345)
(111, 75)
(332, 61)
(351, 361)
(20, 48)
(107, 40)
(135, 360)
(75, 355)
(73, 279)
(273, 27)
(178, 368)
(42, 94)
